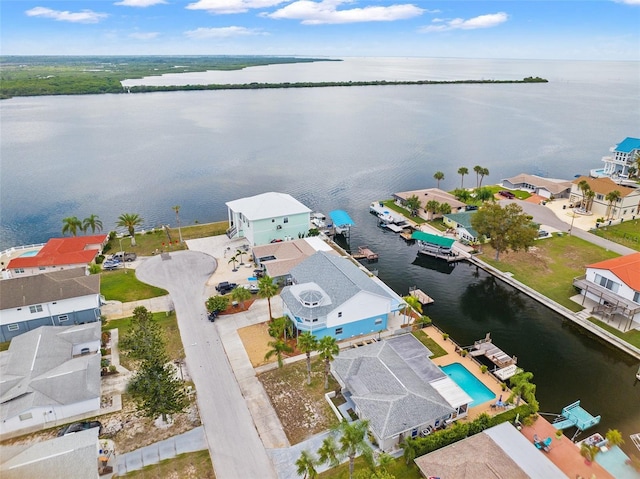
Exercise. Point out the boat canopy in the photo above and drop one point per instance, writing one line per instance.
(341, 218)
(433, 239)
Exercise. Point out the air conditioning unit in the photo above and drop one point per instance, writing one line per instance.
(279, 227)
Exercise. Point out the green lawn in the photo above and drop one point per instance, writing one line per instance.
(430, 344)
(626, 233)
(404, 212)
(121, 285)
(397, 469)
(632, 337)
(551, 265)
(192, 464)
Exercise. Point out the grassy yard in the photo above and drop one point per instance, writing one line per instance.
(121, 285)
(626, 233)
(632, 337)
(397, 469)
(404, 212)
(551, 265)
(193, 465)
(430, 344)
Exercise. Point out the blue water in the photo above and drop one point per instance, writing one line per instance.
(29, 254)
(614, 461)
(467, 381)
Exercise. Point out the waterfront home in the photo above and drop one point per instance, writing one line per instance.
(60, 298)
(58, 254)
(500, 451)
(50, 374)
(624, 157)
(267, 218)
(537, 185)
(614, 284)
(277, 259)
(461, 224)
(626, 207)
(398, 389)
(430, 194)
(330, 295)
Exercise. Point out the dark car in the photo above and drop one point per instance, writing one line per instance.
(225, 287)
(79, 426)
(123, 256)
(507, 194)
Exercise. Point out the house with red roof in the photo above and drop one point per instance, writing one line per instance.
(58, 254)
(614, 284)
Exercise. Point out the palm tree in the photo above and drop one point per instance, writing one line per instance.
(267, 289)
(353, 441)
(385, 460)
(412, 303)
(483, 194)
(612, 197)
(438, 175)
(278, 348)
(233, 260)
(280, 327)
(306, 465)
(583, 186)
(328, 349)
(239, 253)
(307, 343)
(432, 208)
(240, 295)
(71, 225)
(484, 172)
(328, 452)
(444, 208)
(413, 204)
(92, 222)
(461, 195)
(409, 450)
(589, 196)
(463, 170)
(130, 221)
(614, 438)
(478, 169)
(522, 388)
(176, 208)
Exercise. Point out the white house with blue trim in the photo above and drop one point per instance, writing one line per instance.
(622, 157)
(267, 218)
(332, 296)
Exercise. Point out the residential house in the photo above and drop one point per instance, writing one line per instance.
(332, 296)
(430, 194)
(277, 259)
(500, 451)
(537, 185)
(398, 389)
(461, 224)
(58, 254)
(626, 207)
(50, 374)
(624, 157)
(615, 285)
(267, 218)
(59, 298)
(74, 456)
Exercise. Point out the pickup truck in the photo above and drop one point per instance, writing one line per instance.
(225, 287)
(122, 256)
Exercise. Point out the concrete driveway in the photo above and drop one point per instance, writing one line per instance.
(236, 450)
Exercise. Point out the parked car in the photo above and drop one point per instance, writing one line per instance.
(79, 426)
(252, 287)
(543, 234)
(225, 287)
(507, 194)
(123, 256)
(111, 264)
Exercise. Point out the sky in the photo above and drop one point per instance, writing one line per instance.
(534, 29)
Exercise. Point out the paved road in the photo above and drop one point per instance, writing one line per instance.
(234, 444)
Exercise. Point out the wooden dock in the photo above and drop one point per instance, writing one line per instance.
(365, 253)
(484, 347)
(421, 296)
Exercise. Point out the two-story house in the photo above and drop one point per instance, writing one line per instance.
(627, 206)
(267, 218)
(60, 298)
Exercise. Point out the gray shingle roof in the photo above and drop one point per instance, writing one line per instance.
(389, 383)
(41, 371)
(336, 276)
(46, 287)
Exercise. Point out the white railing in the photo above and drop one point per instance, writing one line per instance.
(20, 248)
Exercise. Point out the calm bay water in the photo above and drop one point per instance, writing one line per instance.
(342, 148)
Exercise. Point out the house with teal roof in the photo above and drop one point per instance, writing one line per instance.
(622, 157)
(461, 224)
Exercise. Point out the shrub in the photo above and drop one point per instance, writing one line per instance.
(112, 368)
(483, 369)
(99, 259)
(445, 336)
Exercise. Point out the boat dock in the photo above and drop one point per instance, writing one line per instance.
(485, 347)
(421, 296)
(365, 253)
(384, 214)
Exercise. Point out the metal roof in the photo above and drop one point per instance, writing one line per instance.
(433, 239)
(341, 218)
(628, 145)
(267, 205)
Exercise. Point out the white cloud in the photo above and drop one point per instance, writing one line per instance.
(326, 11)
(84, 16)
(232, 6)
(144, 35)
(483, 21)
(139, 3)
(223, 32)
(628, 2)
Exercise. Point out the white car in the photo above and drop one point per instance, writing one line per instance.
(251, 287)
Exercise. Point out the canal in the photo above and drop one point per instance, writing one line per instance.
(568, 364)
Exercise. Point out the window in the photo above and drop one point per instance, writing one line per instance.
(18, 270)
(636, 297)
(338, 331)
(339, 314)
(63, 317)
(378, 321)
(13, 327)
(599, 197)
(35, 309)
(285, 220)
(25, 417)
(42, 268)
(607, 283)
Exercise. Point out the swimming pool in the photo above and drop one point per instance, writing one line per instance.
(467, 381)
(28, 254)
